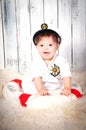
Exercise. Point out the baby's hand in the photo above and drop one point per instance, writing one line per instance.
(43, 92)
(66, 91)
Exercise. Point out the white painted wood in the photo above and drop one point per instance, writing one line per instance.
(79, 34)
(23, 34)
(65, 28)
(50, 13)
(22, 18)
(9, 35)
(36, 14)
(1, 42)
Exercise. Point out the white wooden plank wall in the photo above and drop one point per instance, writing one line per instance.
(23, 34)
(1, 42)
(20, 19)
(79, 34)
(65, 28)
(9, 34)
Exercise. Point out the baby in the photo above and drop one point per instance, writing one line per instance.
(51, 71)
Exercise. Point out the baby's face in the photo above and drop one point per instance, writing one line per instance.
(47, 48)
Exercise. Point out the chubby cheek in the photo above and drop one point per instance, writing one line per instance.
(53, 50)
(38, 48)
(40, 51)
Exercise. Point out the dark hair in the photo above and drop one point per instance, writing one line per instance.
(46, 32)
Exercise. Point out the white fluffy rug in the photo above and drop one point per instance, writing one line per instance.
(43, 112)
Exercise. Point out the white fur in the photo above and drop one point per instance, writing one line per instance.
(42, 112)
(53, 112)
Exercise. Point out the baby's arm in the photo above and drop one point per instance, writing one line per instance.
(39, 86)
(67, 86)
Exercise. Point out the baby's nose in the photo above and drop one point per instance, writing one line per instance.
(45, 47)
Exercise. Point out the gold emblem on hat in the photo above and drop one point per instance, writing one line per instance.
(44, 26)
(55, 70)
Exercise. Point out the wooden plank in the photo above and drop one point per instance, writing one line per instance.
(1, 41)
(36, 13)
(50, 13)
(65, 28)
(79, 34)
(9, 28)
(23, 34)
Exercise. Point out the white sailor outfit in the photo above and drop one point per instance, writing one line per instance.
(51, 75)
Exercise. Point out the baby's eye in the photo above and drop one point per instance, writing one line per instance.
(41, 45)
(50, 44)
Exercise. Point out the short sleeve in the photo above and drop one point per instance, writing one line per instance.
(65, 68)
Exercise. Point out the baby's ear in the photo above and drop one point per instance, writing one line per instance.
(59, 40)
(58, 45)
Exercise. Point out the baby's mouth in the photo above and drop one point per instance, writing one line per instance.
(46, 52)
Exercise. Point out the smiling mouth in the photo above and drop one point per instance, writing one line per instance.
(46, 53)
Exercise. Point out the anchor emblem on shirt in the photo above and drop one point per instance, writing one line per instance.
(55, 70)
